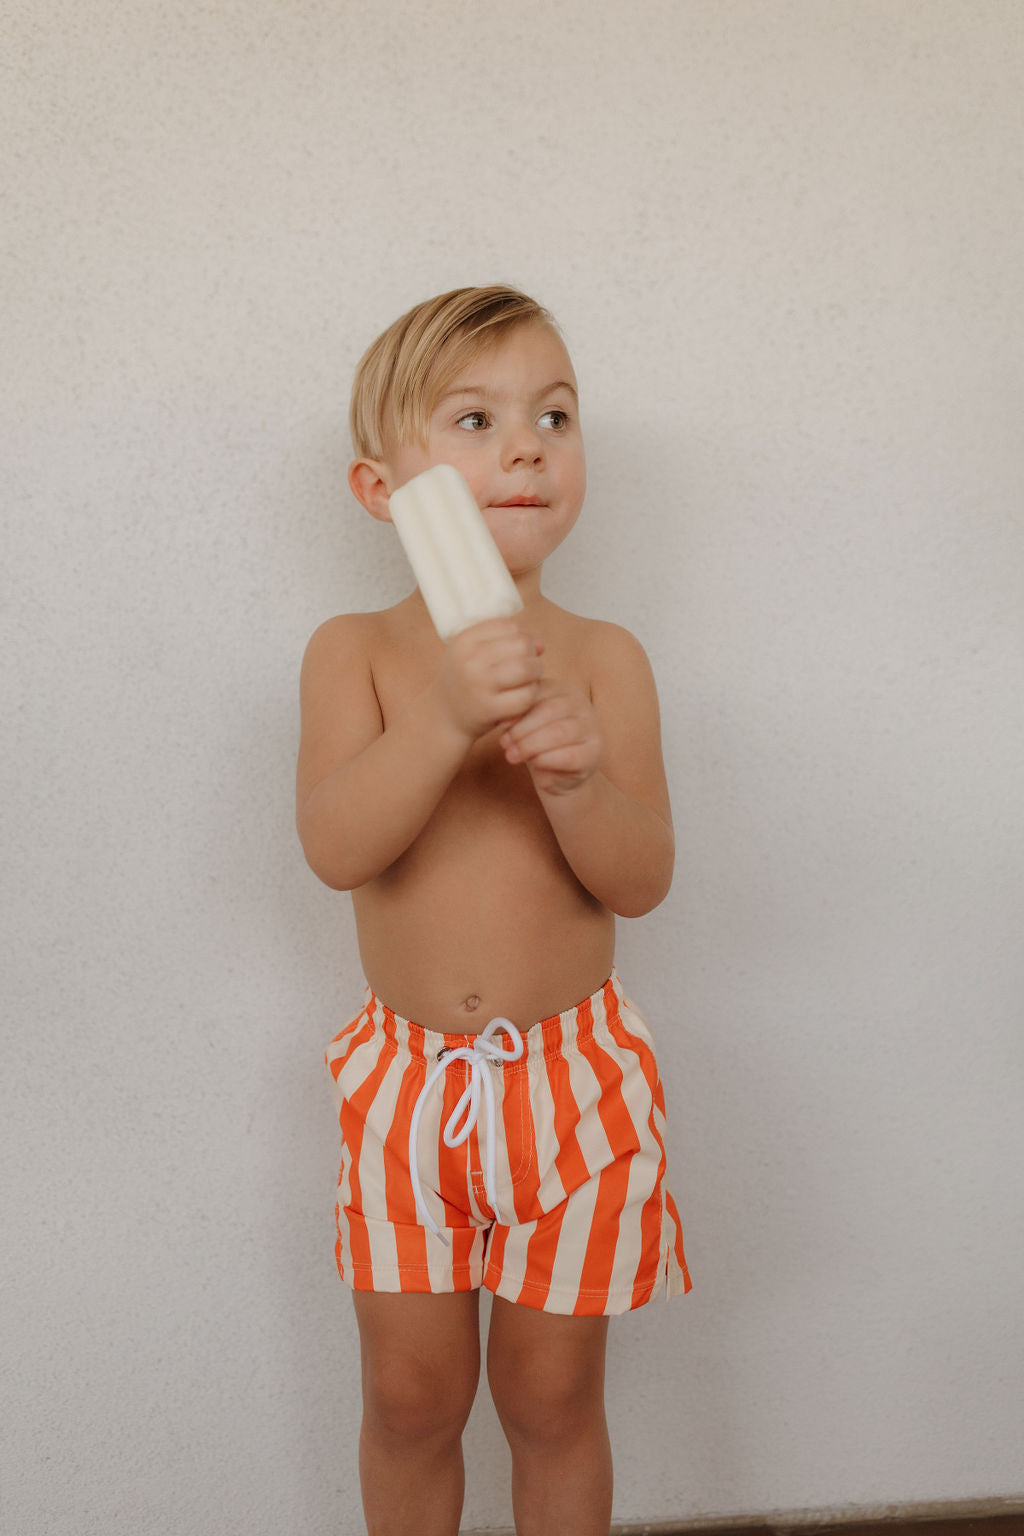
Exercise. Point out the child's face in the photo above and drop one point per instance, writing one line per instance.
(510, 423)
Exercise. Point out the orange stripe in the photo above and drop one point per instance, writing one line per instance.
(455, 1164)
(337, 1062)
(651, 1220)
(410, 1237)
(615, 1116)
(541, 1252)
(569, 1159)
(339, 1256)
(472, 1145)
(614, 1181)
(643, 1290)
(452, 1179)
(463, 1239)
(521, 1133)
(542, 1247)
(599, 1262)
(352, 1115)
(517, 1118)
(678, 1244)
(496, 1257)
(647, 1270)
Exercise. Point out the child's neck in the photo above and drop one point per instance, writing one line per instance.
(528, 587)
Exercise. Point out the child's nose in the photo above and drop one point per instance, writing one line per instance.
(523, 444)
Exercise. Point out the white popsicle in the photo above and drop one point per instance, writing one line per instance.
(451, 550)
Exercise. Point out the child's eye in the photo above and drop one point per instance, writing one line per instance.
(472, 421)
(559, 420)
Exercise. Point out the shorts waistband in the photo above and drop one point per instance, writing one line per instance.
(549, 1037)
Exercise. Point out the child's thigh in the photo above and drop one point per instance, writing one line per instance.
(545, 1364)
(419, 1350)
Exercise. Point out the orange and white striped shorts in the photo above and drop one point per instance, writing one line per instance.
(566, 1211)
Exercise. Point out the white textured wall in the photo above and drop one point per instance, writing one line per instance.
(785, 243)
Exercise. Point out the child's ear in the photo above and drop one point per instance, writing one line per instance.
(369, 481)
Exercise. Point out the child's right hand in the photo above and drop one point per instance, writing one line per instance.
(489, 676)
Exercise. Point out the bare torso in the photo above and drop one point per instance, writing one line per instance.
(481, 915)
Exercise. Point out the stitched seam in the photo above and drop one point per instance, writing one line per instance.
(561, 1291)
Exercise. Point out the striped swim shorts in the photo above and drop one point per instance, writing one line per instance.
(537, 1170)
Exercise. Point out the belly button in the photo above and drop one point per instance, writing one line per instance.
(472, 1003)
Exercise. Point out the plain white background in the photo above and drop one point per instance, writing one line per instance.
(784, 242)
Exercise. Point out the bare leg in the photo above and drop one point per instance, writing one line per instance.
(421, 1364)
(547, 1379)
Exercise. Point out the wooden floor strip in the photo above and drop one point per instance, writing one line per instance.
(969, 1521)
(992, 1517)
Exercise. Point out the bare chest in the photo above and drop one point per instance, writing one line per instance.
(401, 671)
(492, 794)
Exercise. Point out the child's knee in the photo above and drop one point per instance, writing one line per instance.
(539, 1403)
(414, 1400)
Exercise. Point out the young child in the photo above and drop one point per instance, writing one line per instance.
(491, 804)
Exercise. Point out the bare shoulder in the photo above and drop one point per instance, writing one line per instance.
(340, 639)
(613, 641)
(616, 660)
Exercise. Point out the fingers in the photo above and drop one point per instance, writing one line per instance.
(491, 673)
(543, 735)
(498, 643)
(515, 701)
(560, 733)
(503, 662)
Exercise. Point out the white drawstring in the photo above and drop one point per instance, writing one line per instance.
(483, 1049)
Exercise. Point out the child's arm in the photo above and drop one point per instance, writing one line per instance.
(598, 770)
(363, 792)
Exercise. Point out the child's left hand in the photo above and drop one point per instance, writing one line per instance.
(559, 738)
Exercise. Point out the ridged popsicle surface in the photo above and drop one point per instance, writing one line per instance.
(453, 555)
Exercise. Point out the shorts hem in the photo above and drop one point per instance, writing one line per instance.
(416, 1282)
(576, 1303)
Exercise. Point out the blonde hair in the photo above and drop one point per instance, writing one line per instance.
(403, 374)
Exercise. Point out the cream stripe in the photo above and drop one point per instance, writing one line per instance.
(627, 1248)
(439, 1258)
(634, 1021)
(365, 1056)
(435, 1117)
(635, 1092)
(572, 1244)
(637, 1022)
(503, 1165)
(358, 1064)
(635, 1099)
(551, 1191)
(643, 1171)
(343, 1196)
(428, 1162)
(473, 1205)
(642, 1174)
(590, 1132)
(383, 1248)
